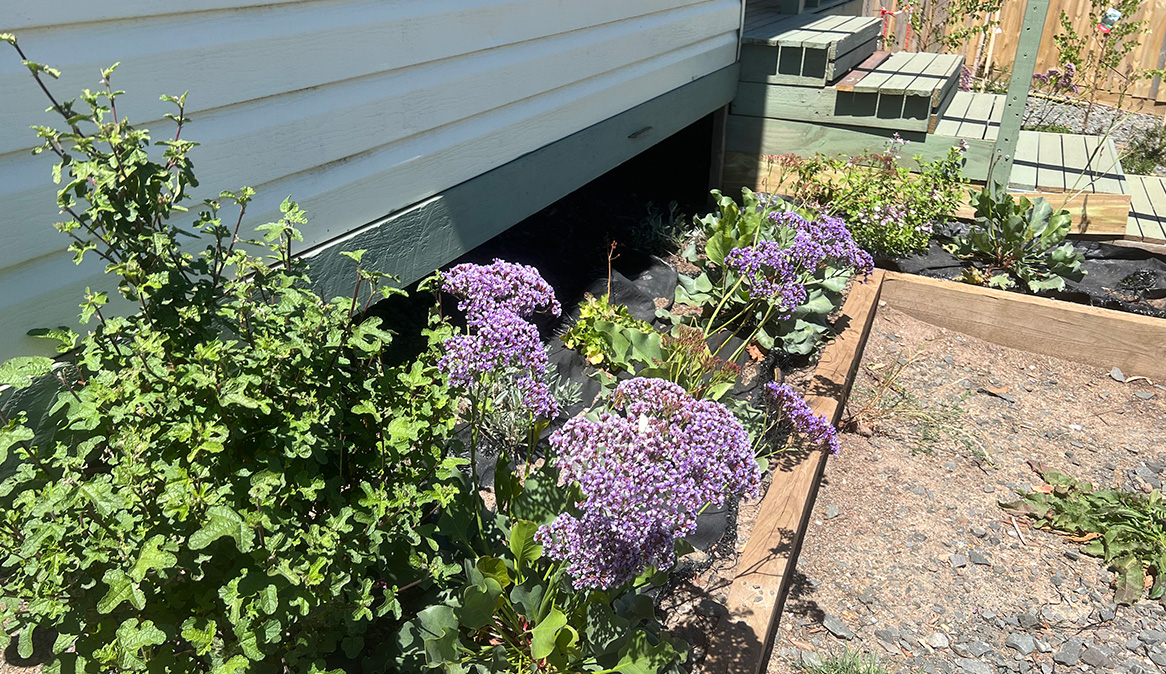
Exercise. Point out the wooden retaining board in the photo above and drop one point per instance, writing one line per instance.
(1095, 215)
(1102, 338)
(1147, 218)
(742, 641)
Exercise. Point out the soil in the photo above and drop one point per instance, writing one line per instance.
(909, 558)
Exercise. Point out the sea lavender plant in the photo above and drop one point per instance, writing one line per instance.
(646, 470)
(778, 271)
(792, 408)
(500, 342)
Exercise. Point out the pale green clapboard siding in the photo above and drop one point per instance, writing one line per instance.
(356, 109)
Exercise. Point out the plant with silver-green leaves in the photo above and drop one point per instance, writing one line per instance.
(231, 479)
(1018, 240)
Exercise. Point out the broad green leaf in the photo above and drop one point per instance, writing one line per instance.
(522, 544)
(1129, 580)
(479, 602)
(544, 635)
(20, 371)
(121, 589)
(605, 630)
(492, 567)
(640, 656)
(152, 557)
(222, 521)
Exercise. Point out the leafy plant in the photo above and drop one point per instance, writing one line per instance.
(769, 273)
(889, 209)
(1146, 151)
(659, 232)
(1020, 240)
(1124, 529)
(230, 478)
(847, 662)
(609, 336)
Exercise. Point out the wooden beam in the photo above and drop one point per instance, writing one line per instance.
(1023, 66)
(742, 641)
(1095, 215)
(1099, 337)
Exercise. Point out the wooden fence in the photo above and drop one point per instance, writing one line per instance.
(995, 51)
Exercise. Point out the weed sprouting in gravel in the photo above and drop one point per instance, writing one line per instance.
(847, 662)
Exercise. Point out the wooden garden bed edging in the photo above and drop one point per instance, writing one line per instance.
(742, 640)
(1099, 337)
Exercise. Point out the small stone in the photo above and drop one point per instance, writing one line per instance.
(1022, 643)
(809, 659)
(1028, 620)
(1152, 637)
(832, 511)
(1158, 657)
(1145, 395)
(1133, 644)
(979, 533)
(958, 560)
(975, 649)
(1108, 614)
(988, 489)
(1117, 375)
(1069, 654)
(1096, 656)
(837, 627)
(1042, 646)
(976, 558)
(973, 666)
(1073, 555)
(1076, 427)
(1049, 615)
(938, 640)
(889, 635)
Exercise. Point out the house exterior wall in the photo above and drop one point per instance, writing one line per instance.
(357, 109)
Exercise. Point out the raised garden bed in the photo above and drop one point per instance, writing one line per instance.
(752, 589)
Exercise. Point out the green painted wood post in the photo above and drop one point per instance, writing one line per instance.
(1023, 67)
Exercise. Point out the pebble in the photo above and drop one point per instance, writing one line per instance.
(938, 640)
(1096, 656)
(975, 649)
(1145, 395)
(979, 559)
(1152, 637)
(836, 627)
(1022, 643)
(889, 635)
(958, 560)
(973, 666)
(832, 511)
(1042, 646)
(1028, 620)
(979, 533)
(1117, 375)
(1069, 654)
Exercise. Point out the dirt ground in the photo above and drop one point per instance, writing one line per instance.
(908, 556)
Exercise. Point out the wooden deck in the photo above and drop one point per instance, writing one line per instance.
(803, 49)
(1147, 209)
(972, 115)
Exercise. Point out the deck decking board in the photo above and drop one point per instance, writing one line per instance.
(1107, 165)
(949, 122)
(1156, 193)
(1025, 163)
(1050, 172)
(975, 121)
(1141, 208)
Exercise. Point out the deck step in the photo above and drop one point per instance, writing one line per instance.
(805, 49)
(910, 94)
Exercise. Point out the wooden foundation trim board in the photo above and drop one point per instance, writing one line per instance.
(1095, 215)
(1100, 337)
(742, 641)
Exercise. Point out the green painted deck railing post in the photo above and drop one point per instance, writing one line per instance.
(1022, 69)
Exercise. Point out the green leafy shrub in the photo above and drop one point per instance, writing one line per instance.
(1020, 241)
(1124, 529)
(608, 335)
(888, 209)
(230, 479)
(1145, 152)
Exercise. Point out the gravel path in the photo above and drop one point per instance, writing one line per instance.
(908, 557)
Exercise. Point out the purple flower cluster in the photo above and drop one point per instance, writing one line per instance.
(1059, 80)
(779, 270)
(814, 428)
(645, 475)
(497, 298)
(517, 288)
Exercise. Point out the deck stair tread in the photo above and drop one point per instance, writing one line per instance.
(809, 30)
(1147, 208)
(913, 74)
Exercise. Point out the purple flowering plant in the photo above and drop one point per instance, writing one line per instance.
(770, 273)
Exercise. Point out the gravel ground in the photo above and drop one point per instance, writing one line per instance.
(909, 558)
